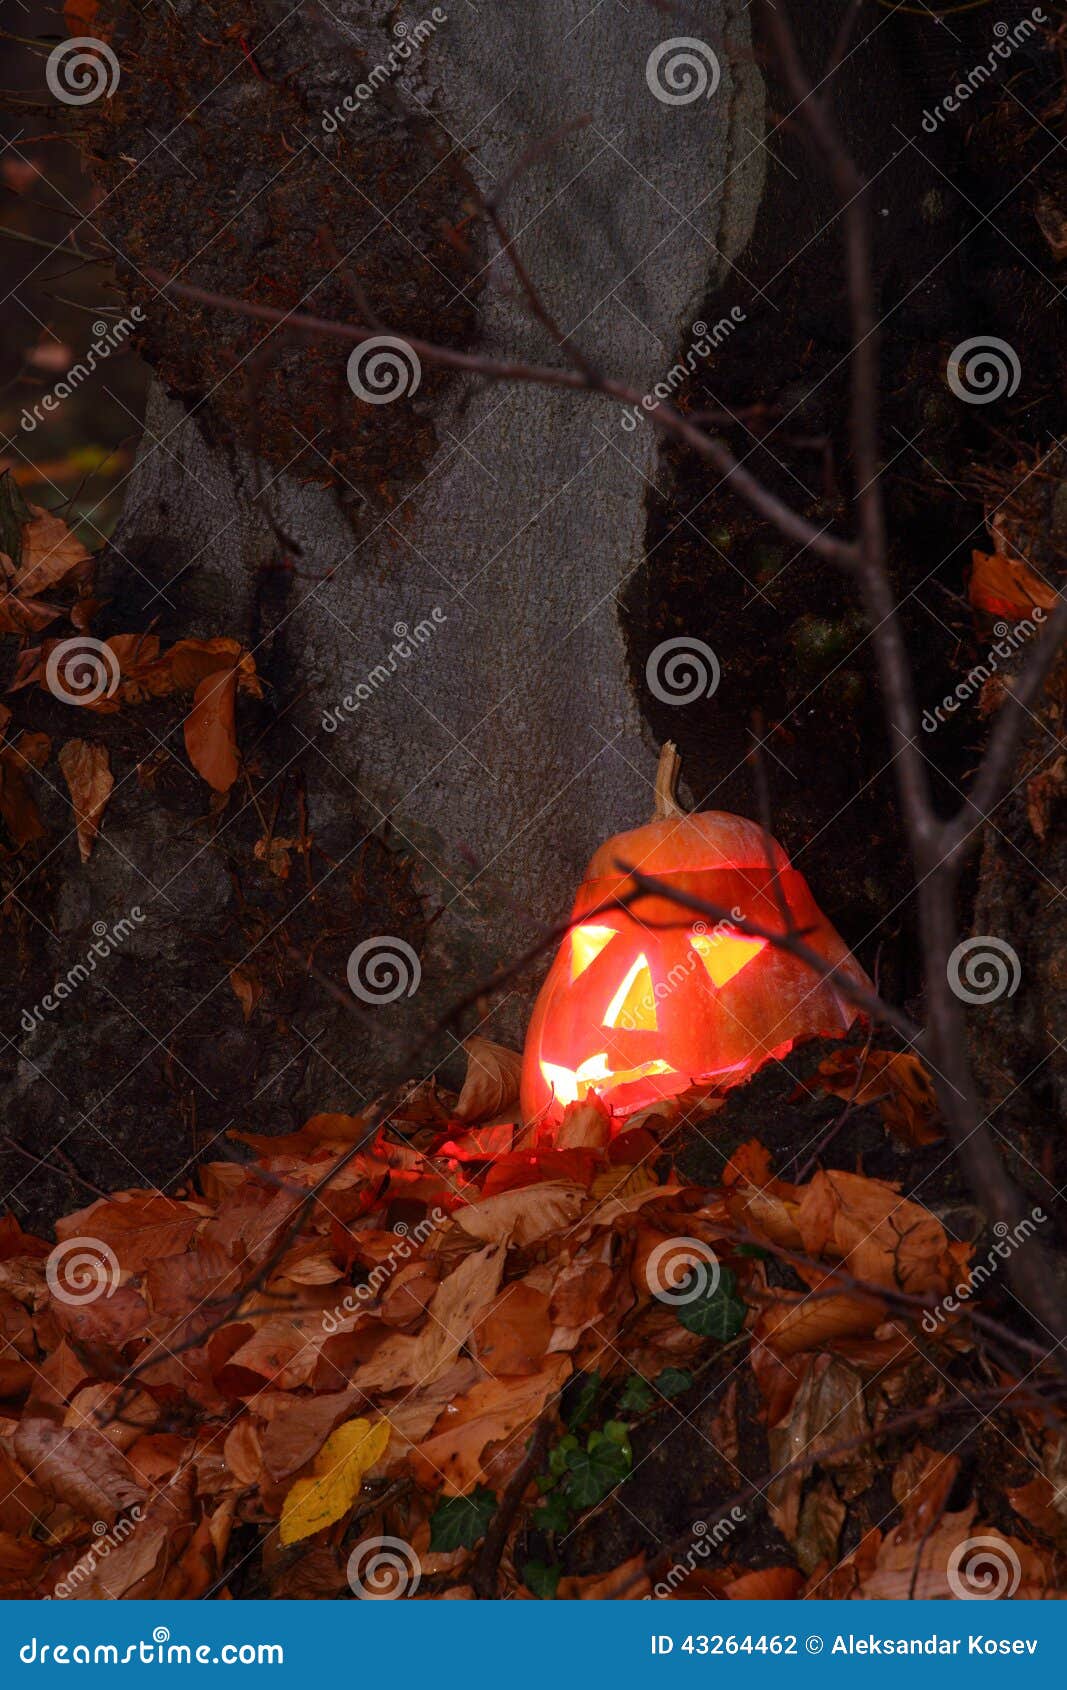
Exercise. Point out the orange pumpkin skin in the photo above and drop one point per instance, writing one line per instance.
(641, 1003)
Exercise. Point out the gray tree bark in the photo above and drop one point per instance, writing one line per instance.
(512, 741)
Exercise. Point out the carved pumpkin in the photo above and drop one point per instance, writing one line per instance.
(641, 1003)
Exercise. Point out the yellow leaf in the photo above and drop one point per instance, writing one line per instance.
(335, 1482)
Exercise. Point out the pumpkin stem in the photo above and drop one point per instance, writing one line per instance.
(667, 774)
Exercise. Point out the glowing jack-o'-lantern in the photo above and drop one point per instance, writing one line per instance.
(643, 1002)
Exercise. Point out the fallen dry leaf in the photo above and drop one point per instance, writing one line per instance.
(246, 988)
(1005, 586)
(894, 1079)
(211, 732)
(456, 1306)
(491, 1084)
(49, 553)
(885, 1239)
(79, 1466)
(493, 1411)
(87, 772)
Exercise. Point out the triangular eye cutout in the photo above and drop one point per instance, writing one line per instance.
(725, 954)
(586, 945)
(634, 1004)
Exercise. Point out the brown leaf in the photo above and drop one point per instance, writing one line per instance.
(492, 1080)
(80, 1467)
(817, 1321)
(513, 1336)
(821, 1518)
(768, 1584)
(885, 1239)
(922, 1482)
(1005, 586)
(210, 730)
(894, 1079)
(87, 772)
(246, 988)
(957, 1553)
(585, 1126)
(165, 1556)
(456, 1307)
(49, 552)
(495, 1411)
(243, 1452)
(276, 851)
(119, 1415)
(628, 1580)
(295, 1437)
(523, 1216)
(25, 616)
(828, 1409)
(139, 1226)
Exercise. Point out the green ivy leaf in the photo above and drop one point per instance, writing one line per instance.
(715, 1314)
(541, 1580)
(673, 1381)
(616, 1432)
(557, 1456)
(462, 1521)
(553, 1515)
(585, 1401)
(594, 1472)
(637, 1396)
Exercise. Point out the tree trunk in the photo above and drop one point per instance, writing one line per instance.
(493, 733)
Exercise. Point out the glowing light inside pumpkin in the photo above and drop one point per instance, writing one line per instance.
(634, 1004)
(586, 945)
(573, 1085)
(725, 953)
(632, 1007)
